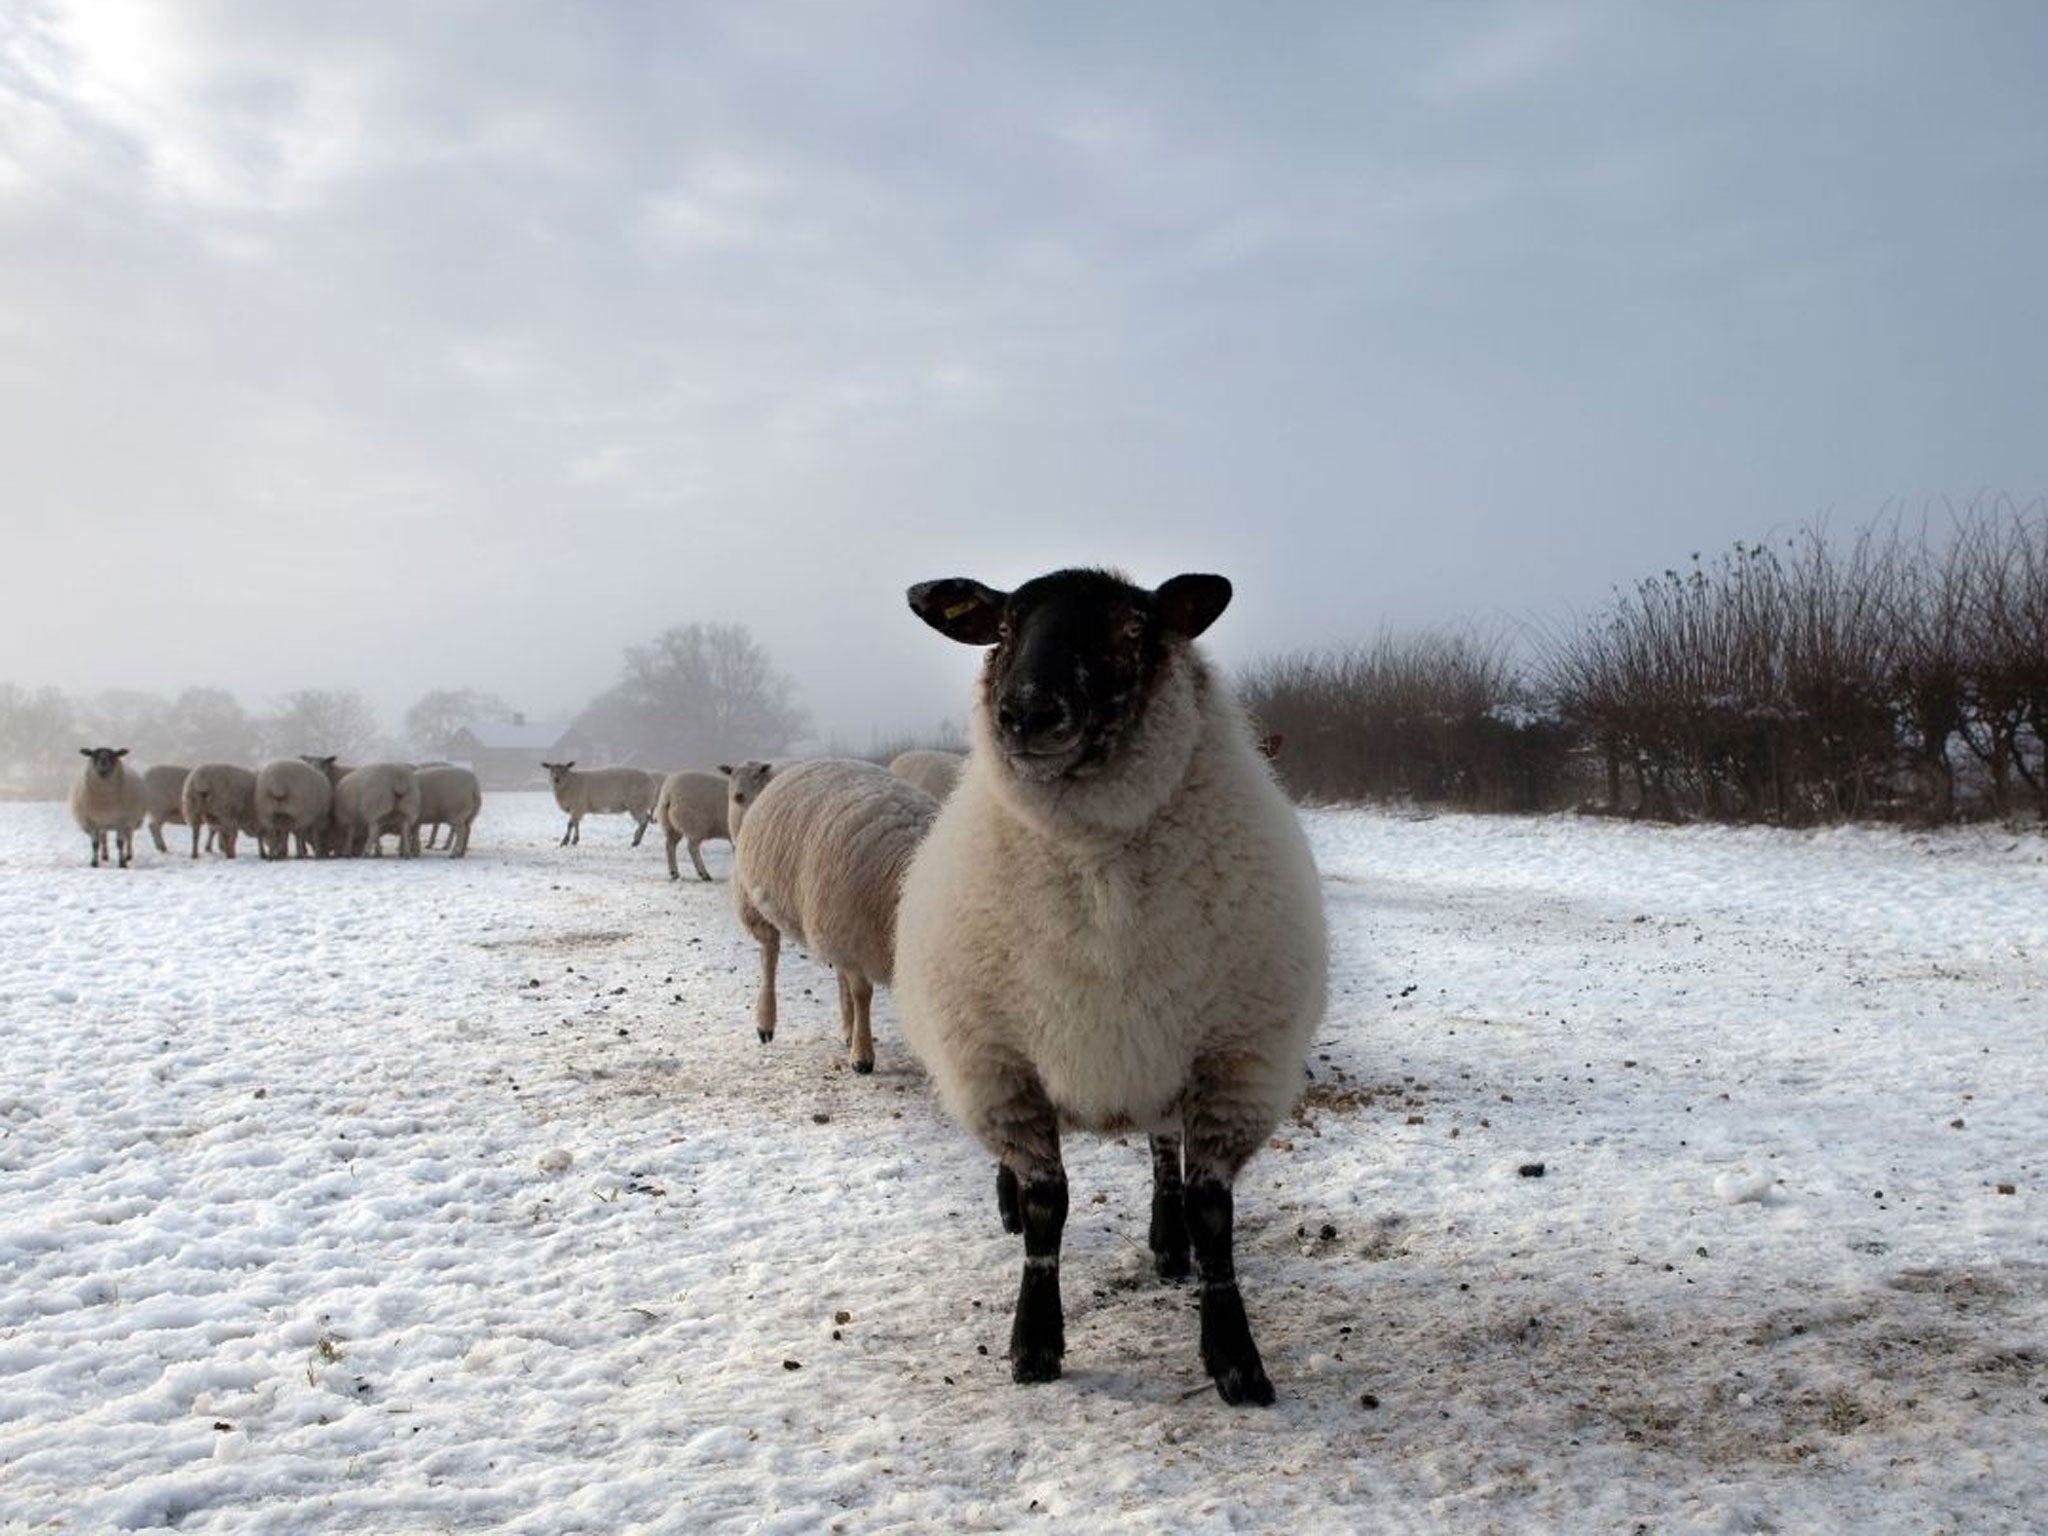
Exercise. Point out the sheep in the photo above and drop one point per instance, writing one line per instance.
(820, 857)
(221, 798)
(108, 796)
(165, 787)
(372, 800)
(602, 792)
(743, 785)
(1115, 924)
(691, 807)
(294, 803)
(450, 797)
(933, 772)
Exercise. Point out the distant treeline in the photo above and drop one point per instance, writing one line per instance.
(1898, 675)
(41, 730)
(694, 695)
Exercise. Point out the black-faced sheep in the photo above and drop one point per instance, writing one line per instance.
(691, 809)
(820, 856)
(108, 796)
(585, 792)
(1114, 924)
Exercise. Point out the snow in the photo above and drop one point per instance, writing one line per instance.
(459, 1195)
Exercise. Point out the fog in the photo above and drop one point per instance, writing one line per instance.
(468, 346)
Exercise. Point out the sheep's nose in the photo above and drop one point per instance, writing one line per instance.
(1032, 716)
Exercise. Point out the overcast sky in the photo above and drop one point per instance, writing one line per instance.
(399, 346)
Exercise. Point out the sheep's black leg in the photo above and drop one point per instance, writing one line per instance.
(1038, 1336)
(1169, 1234)
(1228, 1353)
(1006, 1198)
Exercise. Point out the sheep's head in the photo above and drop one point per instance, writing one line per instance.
(557, 772)
(1075, 659)
(746, 780)
(106, 761)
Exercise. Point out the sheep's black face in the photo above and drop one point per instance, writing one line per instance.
(106, 761)
(1076, 655)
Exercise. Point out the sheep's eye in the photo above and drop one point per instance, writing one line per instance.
(1003, 630)
(1134, 628)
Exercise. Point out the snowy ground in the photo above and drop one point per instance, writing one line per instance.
(446, 1196)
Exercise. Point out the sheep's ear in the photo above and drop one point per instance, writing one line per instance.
(1190, 604)
(960, 609)
(120, 751)
(85, 751)
(726, 769)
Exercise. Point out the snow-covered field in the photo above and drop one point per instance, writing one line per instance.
(442, 1196)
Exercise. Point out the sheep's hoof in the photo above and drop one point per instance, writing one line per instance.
(765, 1034)
(1242, 1387)
(1172, 1266)
(864, 1067)
(1028, 1367)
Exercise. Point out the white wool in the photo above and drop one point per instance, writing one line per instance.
(1109, 931)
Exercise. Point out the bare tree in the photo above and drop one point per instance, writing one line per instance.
(695, 694)
(1439, 717)
(39, 738)
(209, 725)
(439, 716)
(131, 718)
(328, 721)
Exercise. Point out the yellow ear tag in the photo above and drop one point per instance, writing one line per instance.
(955, 610)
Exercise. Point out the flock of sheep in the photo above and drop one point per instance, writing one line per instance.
(311, 804)
(1105, 916)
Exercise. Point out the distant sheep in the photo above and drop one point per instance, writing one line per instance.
(450, 797)
(164, 785)
(933, 772)
(602, 792)
(294, 802)
(820, 857)
(691, 808)
(373, 800)
(221, 798)
(743, 785)
(1115, 924)
(108, 796)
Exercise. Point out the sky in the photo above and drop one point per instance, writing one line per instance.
(400, 347)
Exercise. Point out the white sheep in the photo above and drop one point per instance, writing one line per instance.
(220, 799)
(294, 803)
(1115, 924)
(164, 785)
(108, 796)
(691, 808)
(820, 856)
(372, 800)
(602, 792)
(450, 797)
(933, 772)
(743, 785)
